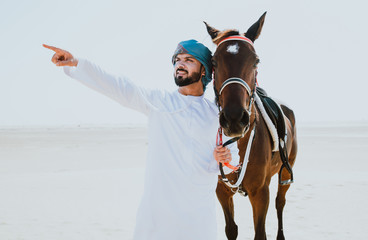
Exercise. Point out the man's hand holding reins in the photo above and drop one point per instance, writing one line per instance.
(222, 154)
(62, 57)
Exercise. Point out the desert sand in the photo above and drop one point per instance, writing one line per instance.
(86, 182)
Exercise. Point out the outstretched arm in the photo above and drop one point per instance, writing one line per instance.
(119, 89)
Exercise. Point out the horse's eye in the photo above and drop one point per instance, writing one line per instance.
(213, 63)
(256, 63)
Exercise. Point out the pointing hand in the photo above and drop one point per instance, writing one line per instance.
(62, 57)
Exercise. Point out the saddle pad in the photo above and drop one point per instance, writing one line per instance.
(273, 111)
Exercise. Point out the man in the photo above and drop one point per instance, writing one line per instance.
(181, 171)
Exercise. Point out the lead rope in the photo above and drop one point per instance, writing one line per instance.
(246, 157)
(219, 142)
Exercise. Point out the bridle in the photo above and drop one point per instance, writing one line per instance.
(237, 37)
(251, 93)
(236, 80)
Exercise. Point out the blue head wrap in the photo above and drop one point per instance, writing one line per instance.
(199, 52)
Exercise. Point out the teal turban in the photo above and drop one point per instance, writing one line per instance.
(199, 52)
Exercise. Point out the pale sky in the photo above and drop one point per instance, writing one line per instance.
(313, 54)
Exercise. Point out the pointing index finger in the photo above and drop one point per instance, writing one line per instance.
(55, 49)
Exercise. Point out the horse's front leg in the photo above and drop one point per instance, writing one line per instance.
(259, 198)
(225, 197)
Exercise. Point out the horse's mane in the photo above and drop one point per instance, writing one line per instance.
(224, 34)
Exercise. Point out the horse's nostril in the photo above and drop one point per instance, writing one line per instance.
(245, 118)
(223, 122)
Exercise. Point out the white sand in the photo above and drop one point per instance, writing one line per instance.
(80, 184)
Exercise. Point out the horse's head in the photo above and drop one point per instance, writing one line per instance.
(235, 61)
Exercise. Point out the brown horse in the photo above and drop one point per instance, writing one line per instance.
(235, 58)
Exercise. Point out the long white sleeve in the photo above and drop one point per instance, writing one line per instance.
(119, 89)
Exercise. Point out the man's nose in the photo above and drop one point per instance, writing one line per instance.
(179, 64)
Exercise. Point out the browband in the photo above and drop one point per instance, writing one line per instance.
(240, 38)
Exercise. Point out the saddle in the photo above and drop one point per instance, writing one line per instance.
(276, 115)
(273, 111)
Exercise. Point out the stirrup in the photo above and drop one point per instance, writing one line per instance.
(288, 181)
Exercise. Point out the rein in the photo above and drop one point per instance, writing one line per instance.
(230, 141)
(243, 168)
(249, 111)
(236, 80)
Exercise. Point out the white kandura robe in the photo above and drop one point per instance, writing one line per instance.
(181, 174)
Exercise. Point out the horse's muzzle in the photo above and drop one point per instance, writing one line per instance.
(234, 122)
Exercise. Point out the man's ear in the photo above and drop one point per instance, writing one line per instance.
(203, 70)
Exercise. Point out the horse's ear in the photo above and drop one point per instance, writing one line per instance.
(213, 32)
(255, 30)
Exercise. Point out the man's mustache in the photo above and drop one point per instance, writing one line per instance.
(181, 69)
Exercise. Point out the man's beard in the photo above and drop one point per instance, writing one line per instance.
(181, 81)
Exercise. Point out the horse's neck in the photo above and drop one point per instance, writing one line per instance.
(260, 122)
(261, 132)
